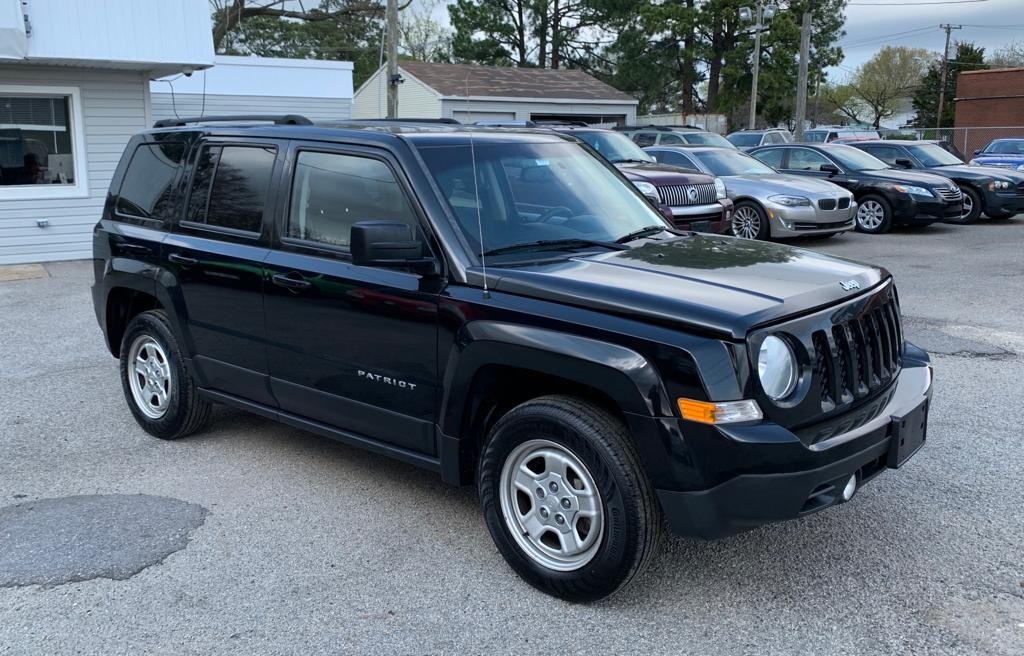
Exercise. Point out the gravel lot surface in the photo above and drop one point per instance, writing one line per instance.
(305, 546)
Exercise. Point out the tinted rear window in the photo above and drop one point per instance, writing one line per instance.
(229, 188)
(148, 186)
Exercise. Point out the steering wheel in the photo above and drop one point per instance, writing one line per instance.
(553, 212)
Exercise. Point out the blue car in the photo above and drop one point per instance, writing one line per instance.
(1002, 153)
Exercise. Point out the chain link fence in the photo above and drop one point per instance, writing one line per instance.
(967, 140)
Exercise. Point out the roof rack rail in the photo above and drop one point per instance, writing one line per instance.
(442, 121)
(284, 119)
(660, 128)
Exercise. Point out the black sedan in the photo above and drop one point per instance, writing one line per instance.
(885, 196)
(996, 192)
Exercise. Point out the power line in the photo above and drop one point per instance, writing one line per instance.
(879, 38)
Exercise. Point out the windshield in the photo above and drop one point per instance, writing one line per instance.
(533, 192)
(815, 136)
(1006, 147)
(932, 155)
(743, 139)
(615, 146)
(855, 159)
(732, 162)
(707, 139)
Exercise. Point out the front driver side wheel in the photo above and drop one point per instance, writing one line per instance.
(565, 499)
(749, 221)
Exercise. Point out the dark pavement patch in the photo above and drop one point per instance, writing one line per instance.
(68, 539)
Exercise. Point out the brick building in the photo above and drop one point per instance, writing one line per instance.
(989, 105)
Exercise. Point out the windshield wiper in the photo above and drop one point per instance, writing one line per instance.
(555, 243)
(642, 232)
(629, 160)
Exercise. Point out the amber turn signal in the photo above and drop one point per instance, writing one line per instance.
(727, 412)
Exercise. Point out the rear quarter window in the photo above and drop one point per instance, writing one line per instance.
(147, 190)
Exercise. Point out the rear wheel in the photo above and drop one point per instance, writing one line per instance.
(874, 215)
(972, 207)
(158, 387)
(565, 499)
(749, 221)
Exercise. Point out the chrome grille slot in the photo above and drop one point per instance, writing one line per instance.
(950, 193)
(675, 195)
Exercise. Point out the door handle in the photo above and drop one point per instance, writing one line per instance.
(183, 260)
(288, 282)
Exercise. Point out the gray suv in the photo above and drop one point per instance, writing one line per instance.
(752, 138)
(674, 135)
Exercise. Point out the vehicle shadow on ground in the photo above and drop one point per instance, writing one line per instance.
(768, 562)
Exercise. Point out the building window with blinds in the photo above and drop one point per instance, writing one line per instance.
(36, 140)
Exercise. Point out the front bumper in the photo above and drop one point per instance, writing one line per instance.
(912, 210)
(807, 477)
(1005, 201)
(789, 221)
(710, 217)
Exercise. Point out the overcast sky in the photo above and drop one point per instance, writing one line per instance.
(989, 23)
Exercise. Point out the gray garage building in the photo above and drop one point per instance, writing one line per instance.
(468, 92)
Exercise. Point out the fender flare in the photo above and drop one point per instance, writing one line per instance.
(624, 375)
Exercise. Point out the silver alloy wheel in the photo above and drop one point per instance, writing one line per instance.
(149, 376)
(746, 224)
(551, 505)
(968, 206)
(870, 214)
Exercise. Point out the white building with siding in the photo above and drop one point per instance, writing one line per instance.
(471, 93)
(319, 90)
(74, 87)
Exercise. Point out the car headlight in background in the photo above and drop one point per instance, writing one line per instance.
(996, 185)
(915, 191)
(720, 190)
(1020, 167)
(790, 201)
(776, 368)
(646, 188)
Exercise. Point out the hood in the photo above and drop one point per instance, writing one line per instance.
(715, 284)
(964, 172)
(761, 185)
(1012, 161)
(903, 176)
(662, 174)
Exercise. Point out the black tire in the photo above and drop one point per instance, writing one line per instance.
(743, 216)
(866, 205)
(631, 517)
(185, 411)
(973, 200)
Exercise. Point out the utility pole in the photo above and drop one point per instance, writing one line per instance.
(746, 14)
(391, 19)
(752, 120)
(942, 85)
(801, 87)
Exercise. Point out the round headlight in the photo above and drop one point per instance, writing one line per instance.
(777, 368)
(646, 188)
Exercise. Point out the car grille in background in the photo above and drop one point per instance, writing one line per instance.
(844, 202)
(950, 193)
(827, 203)
(675, 195)
(859, 357)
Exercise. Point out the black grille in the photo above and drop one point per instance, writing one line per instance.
(950, 193)
(827, 203)
(860, 355)
(696, 194)
(844, 202)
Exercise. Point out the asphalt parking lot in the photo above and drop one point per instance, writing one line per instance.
(255, 538)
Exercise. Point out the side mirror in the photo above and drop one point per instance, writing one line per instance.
(388, 245)
(977, 152)
(904, 163)
(831, 169)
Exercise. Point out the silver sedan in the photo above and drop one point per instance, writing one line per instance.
(769, 204)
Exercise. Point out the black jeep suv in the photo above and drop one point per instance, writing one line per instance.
(509, 311)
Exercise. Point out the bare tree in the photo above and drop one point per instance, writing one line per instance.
(1009, 56)
(893, 73)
